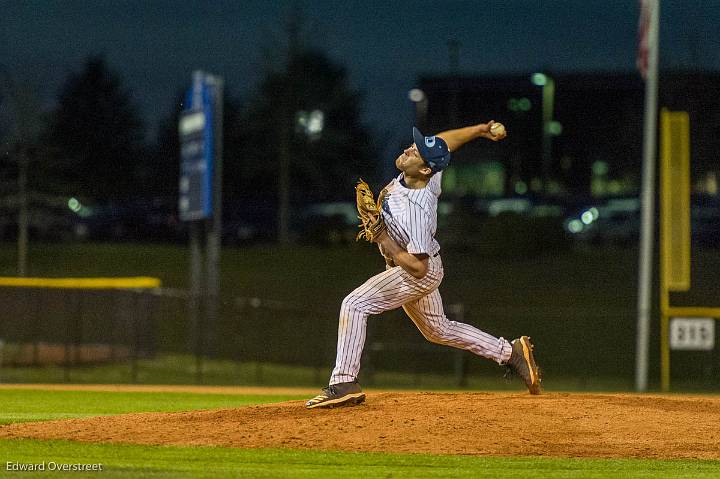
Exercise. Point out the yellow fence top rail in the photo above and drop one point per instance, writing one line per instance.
(140, 282)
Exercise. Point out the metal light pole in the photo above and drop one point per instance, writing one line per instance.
(20, 128)
(419, 98)
(214, 227)
(200, 204)
(647, 239)
(548, 103)
(23, 212)
(287, 103)
(284, 176)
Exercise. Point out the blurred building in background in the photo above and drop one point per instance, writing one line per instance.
(570, 135)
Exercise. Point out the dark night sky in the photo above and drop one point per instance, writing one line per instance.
(156, 44)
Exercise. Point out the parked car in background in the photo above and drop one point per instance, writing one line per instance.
(247, 222)
(617, 221)
(45, 223)
(522, 205)
(612, 221)
(151, 220)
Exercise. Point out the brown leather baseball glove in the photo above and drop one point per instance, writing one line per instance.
(369, 212)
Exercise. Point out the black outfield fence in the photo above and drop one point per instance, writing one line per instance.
(76, 327)
(149, 334)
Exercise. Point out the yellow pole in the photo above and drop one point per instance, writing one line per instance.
(674, 223)
(665, 353)
(664, 249)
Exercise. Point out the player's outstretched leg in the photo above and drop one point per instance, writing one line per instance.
(428, 315)
(522, 363)
(385, 291)
(342, 394)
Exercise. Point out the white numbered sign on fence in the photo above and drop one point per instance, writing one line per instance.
(692, 334)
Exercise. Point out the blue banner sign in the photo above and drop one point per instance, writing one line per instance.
(196, 153)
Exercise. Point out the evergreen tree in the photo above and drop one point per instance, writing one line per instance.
(97, 135)
(309, 104)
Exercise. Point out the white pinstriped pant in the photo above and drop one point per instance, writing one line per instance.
(421, 300)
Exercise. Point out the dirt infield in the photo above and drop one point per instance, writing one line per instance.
(496, 424)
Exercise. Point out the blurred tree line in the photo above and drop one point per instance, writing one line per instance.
(93, 144)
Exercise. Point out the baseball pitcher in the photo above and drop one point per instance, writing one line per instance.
(403, 222)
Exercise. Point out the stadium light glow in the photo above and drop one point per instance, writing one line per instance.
(554, 128)
(539, 79)
(316, 122)
(575, 226)
(416, 95)
(521, 188)
(74, 205)
(589, 215)
(311, 124)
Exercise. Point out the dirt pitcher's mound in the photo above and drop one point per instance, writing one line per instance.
(583, 425)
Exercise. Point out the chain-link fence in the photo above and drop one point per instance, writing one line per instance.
(146, 336)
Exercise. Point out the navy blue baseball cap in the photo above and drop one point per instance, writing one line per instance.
(433, 150)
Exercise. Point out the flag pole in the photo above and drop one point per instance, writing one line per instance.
(647, 204)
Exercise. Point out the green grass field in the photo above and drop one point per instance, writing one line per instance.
(180, 369)
(178, 462)
(20, 405)
(133, 461)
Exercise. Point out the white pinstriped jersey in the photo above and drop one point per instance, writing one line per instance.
(411, 219)
(411, 215)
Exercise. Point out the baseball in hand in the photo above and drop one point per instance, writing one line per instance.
(497, 129)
